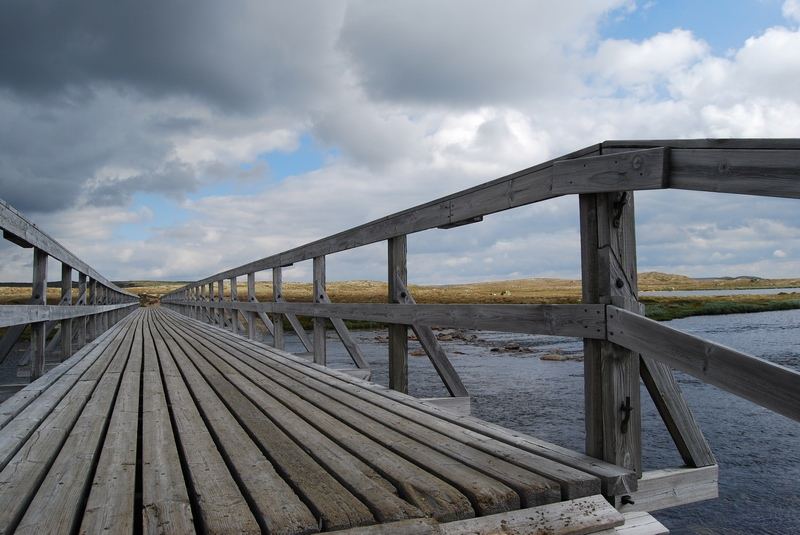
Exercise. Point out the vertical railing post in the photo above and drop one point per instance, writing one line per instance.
(93, 300)
(38, 297)
(234, 311)
(277, 319)
(211, 317)
(220, 299)
(66, 299)
(320, 356)
(82, 322)
(252, 317)
(398, 334)
(611, 373)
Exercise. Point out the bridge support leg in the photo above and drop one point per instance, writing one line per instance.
(611, 373)
(320, 356)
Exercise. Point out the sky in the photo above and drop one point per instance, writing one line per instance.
(170, 140)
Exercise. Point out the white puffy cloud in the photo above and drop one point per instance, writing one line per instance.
(477, 90)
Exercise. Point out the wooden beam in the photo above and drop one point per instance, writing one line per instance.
(631, 170)
(66, 299)
(320, 356)
(234, 312)
(670, 487)
(517, 189)
(251, 297)
(398, 333)
(764, 383)
(581, 321)
(611, 372)
(14, 223)
(436, 353)
(277, 295)
(675, 413)
(23, 314)
(347, 339)
(81, 301)
(38, 297)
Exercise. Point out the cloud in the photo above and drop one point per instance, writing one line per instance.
(791, 10)
(100, 103)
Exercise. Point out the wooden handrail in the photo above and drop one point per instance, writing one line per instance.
(764, 383)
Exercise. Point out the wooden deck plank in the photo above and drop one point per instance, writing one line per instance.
(165, 499)
(87, 354)
(220, 504)
(334, 506)
(614, 479)
(575, 482)
(433, 496)
(21, 477)
(487, 494)
(529, 485)
(436, 432)
(18, 430)
(110, 507)
(254, 472)
(57, 506)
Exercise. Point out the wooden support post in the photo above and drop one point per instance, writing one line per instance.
(277, 319)
(234, 312)
(251, 297)
(66, 299)
(82, 322)
(319, 323)
(93, 300)
(611, 372)
(211, 312)
(38, 297)
(398, 334)
(221, 319)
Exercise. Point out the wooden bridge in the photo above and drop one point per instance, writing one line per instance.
(160, 422)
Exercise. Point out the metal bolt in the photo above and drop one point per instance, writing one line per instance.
(637, 162)
(619, 283)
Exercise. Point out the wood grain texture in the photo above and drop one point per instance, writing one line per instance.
(22, 314)
(671, 487)
(764, 383)
(583, 321)
(614, 479)
(398, 333)
(631, 170)
(277, 295)
(683, 428)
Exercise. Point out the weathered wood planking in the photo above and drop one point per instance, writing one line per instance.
(320, 344)
(675, 413)
(19, 314)
(671, 487)
(398, 332)
(762, 382)
(615, 480)
(583, 321)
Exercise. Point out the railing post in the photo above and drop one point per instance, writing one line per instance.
(611, 373)
(38, 297)
(66, 299)
(251, 297)
(211, 318)
(234, 311)
(82, 322)
(398, 334)
(277, 319)
(220, 299)
(320, 356)
(94, 301)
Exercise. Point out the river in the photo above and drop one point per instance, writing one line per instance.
(758, 451)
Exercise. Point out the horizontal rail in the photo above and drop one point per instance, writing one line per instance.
(23, 314)
(764, 383)
(17, 229)
(755, 167)
(583, 321)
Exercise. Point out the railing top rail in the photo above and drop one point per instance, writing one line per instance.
(769, 167)
(18, 229)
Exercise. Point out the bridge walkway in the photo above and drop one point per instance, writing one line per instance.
(165, 424)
